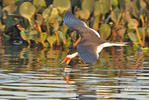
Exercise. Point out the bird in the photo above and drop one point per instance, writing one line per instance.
(90, 44)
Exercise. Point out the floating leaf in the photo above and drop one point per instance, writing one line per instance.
(34, 35)
(7, 37)
(61, 5)
(10, 8)
(53, 15)
(134, 8)
(8, 2)
(115, 2)
(43, 36)
(114, 14)
(25, 35)
(127, 4)
(61, 35)
(46, 13)
(96, 23)
(101, 7)
(87, 5)
(132, 23)
(27, 10)
(51, 40)
(39, 3)
(143, 4)
(120, 30)
(133, 37)
(84, 14)
(105, 31)
(98, 9)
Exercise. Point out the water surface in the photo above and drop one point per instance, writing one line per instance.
(119, 74)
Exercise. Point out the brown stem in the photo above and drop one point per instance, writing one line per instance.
(119, 17)
(57, 38)
(139, 38)
(143, 31)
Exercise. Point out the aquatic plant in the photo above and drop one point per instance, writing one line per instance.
(41, 21)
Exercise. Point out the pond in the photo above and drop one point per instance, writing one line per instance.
(29, 73)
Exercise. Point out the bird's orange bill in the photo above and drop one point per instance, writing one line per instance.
(66, 60)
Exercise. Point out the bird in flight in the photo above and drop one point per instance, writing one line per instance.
(90, 44)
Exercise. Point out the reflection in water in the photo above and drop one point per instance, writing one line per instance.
(29, 73)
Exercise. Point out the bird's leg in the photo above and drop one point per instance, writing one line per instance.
(69, 57)
(78, 40)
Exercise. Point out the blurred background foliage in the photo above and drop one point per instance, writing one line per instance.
(40, 22)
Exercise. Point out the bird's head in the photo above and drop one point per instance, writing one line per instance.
(66, 60)
(69, 57)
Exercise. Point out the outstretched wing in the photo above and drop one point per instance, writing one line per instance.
(72, 22)
(87, 52)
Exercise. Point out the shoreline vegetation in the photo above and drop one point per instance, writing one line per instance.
(40, 22)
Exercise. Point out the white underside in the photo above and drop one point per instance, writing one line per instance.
(92, 29)
(72, 55)
(95, 32)
(100, 47)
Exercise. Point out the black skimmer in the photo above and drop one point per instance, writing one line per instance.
(91, 44)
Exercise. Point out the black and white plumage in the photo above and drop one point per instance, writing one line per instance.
(91, 44)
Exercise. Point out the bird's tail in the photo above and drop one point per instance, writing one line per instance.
(108, 44)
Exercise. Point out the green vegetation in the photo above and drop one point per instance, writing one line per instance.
(41, 21)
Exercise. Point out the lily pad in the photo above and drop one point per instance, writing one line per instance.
(84, 14)
(114, 14)
(88, 5)
(25, 35)
(61, 35)
(105, 31)
(98, 9)
(46, 13)
(27, 10)
(96, 23)
(120, 30)
(133, 37)
(8, 2)
(51, 40)
(132, 23)
(10, 8)
(115, 2)
(143, 4)
(101, 7)
(62, 5)
(39, 3)
(34, 35)
(53, 14)
(43, 36)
